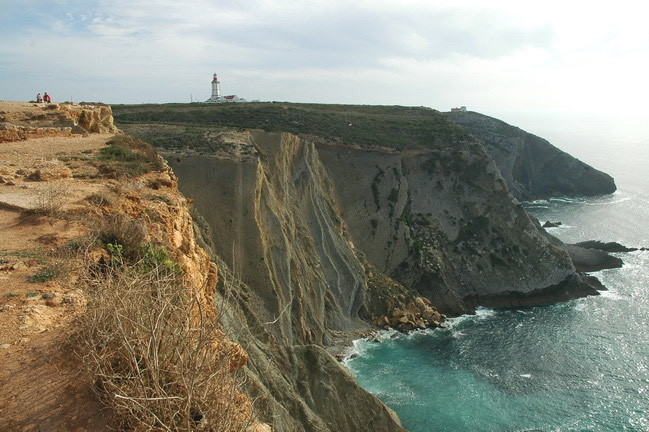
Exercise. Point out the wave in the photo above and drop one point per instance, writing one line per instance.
(611, 295)
(359, 347)
(569, 200)
(481, 313)
(535, 202)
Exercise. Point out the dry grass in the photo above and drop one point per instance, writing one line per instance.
(160, 361)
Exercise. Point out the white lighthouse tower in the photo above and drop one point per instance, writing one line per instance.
(216, 93)
(216, 88)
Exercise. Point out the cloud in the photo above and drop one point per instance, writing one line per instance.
(416, 52)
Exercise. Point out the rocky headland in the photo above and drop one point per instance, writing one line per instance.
(75, 205)
(531, 166)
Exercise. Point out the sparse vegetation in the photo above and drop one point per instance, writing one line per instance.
(127, 156)
(161, 198)
(50, 199)
(375, 188)
(160, 359)
(128, 233)
(29, 253)
(45, 274)
(98, 199)
(364, 125)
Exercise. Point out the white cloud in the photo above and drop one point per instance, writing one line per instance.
(549, 55)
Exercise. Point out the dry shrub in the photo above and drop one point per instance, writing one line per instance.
(161, 363)
(50, 199)
(119, 229)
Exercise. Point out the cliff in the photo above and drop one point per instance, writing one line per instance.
(440, 221)
(338, 216)
(270, 211)
(531, 166)
(298, 218)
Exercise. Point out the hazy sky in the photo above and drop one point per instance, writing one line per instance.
(493, 56)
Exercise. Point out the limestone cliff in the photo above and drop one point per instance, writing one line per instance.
(532, 167)
(63, 202)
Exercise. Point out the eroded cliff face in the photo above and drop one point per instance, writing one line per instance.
(274, 222)
(532, 167)
(442, 221)
(309, 227)
(272, 219)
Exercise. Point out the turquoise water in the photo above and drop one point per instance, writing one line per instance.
(576, 366)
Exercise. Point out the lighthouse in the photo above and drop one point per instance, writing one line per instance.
(216, 93)
(216, 88)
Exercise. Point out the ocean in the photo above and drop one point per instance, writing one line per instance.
(582, 365)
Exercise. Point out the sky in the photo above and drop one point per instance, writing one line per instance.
(515, 59)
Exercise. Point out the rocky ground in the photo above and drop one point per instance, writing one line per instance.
(43, 191)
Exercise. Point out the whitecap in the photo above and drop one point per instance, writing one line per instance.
(611, 295)
(359, 347)
(539, 201)
(484, 312)
(480, 314)
(567, 200)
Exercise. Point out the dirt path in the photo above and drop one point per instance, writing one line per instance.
(43, 389)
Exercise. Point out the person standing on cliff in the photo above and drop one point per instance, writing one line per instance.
(47, 98)
(39, 98)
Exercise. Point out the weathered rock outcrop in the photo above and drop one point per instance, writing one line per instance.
(591, 260)
(92, 118)
(532, 167)
(55, 120)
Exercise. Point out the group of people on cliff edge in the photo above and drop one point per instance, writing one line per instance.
(45, 98)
